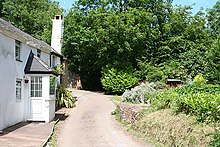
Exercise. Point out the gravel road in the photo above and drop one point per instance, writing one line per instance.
(91, 124)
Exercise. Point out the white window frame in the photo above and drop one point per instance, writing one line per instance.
(17, 50)
(36, 86)
(18, 89)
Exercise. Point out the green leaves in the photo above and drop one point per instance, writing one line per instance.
(201, 101)
(33, 17)
(64, 98)
(116, 81)
(170, 39)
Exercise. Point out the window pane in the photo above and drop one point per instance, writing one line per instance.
(36, 94)
(32, 93)
(17, 49)
(39, 53)
(18, 89)
(32, 79)
(36, 79)
(18, 83)
(40, 93)
(36, 87)
(32, 86)
(40, 79)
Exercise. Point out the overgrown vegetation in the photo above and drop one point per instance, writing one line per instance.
(64, 98)
(196, 101)
(168, 129)
(199, 102)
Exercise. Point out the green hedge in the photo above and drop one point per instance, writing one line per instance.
(117, 81)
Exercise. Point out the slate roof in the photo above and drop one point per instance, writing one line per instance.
(35, 65)
(8, 29)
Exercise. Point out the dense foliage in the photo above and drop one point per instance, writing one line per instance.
(117, 81)
(204, 105)
(199, 100)
(154, 38)
(33, 17)
(64, 98)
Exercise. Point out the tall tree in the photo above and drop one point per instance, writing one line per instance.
(1, 7)
(33, 17)
(214, 18)
(127, 34)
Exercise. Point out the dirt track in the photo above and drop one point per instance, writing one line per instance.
(90, 124)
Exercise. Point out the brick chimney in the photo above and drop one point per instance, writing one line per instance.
(57, 33)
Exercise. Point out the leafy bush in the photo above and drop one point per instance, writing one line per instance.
(64, 97)
(203, 101)
(116, 82)
(195, 88)
(199, 79)
(139, 94)
(204, 106)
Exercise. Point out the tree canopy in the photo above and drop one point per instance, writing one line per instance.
(151, 38)
(33, 17)
(143, 39)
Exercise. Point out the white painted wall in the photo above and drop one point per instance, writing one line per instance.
(49, 108)
(57, 33)
(11, 110)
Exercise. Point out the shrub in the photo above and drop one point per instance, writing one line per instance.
(117, 81)
(195, 88)
(199, 79)
(204, 106)
(203, 101)
(139, 94)
(64, 97)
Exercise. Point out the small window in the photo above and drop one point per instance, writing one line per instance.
(36, 86)
(38, 53)
(52, 85)
(17, 50)
(18, 89)
(53, 61)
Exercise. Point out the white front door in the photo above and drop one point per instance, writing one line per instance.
(36, 101)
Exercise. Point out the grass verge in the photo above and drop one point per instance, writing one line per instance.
(165, 128)
(53, 139)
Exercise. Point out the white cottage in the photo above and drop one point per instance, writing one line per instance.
(26, 68)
